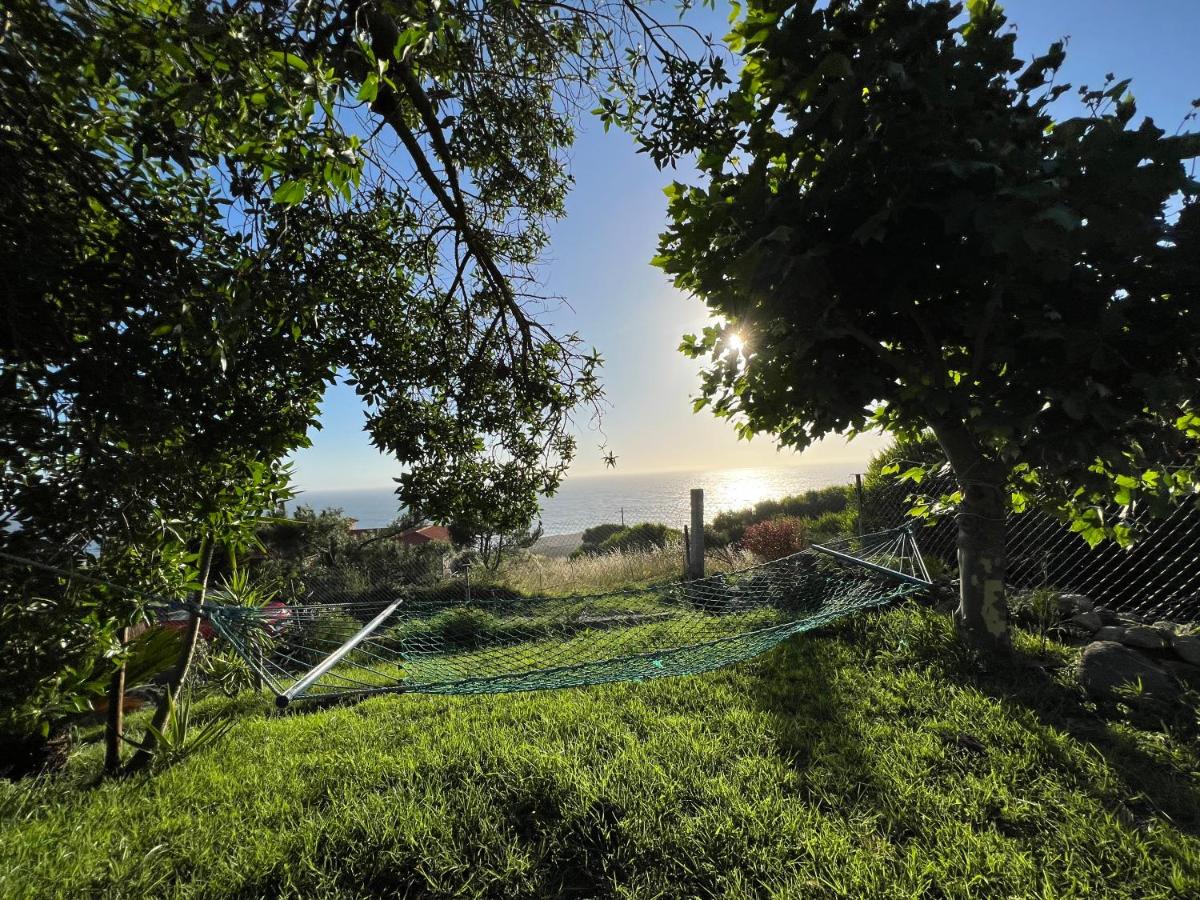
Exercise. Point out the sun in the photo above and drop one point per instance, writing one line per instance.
(735, 342)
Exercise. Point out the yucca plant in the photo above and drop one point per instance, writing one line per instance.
(228, 672)
(177, 740)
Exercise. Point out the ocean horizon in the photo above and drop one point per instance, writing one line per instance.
(586, 500)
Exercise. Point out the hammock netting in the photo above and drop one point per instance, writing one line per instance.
(408, 641)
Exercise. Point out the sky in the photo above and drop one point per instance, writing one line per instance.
(598, 261)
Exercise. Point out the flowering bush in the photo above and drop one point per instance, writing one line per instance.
(776, 538)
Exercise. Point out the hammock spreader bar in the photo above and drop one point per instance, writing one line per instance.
(908, 538)
(298, 689)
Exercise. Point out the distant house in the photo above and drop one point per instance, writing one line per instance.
(413, 537)
(417, 536)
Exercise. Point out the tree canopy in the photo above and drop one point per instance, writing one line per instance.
(212, 210)
(905, 232)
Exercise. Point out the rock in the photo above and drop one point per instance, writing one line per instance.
(1110, 633)
(1187, 648)
(1069, 604)
(1188, 674)
(1108, 616)
(1145, 637)
(1167, 629)
(1106, 667)
(1088, 621)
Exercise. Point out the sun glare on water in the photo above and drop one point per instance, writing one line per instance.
(740, 488)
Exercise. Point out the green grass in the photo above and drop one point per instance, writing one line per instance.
(872, 760)
(535, 575)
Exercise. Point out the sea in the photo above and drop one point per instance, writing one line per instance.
(587, 500)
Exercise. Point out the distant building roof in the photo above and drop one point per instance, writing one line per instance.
(411, 537)
(424, 535)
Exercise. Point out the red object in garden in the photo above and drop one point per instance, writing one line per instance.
(178, 619)
(276, 617)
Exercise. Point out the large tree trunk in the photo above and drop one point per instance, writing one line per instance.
(982, 614)
(183, 666)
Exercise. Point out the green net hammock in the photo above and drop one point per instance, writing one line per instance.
(411, 642)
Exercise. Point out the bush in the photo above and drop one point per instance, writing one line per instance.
(598, 534)
(776, 538)
(730, 527)
(465, 627)
(831, 525)
(309, 640)
(640, 538)
(595, 536)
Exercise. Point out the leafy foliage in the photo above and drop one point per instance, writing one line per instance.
(210, 211)
(640, 538)
(315, 554)
(593, 537)
(485, 542)
(729, 527)
(905, 237)
(776, 538)
(177, 739)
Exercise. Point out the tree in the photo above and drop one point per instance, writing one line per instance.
(487, 543)
(904, 235)
(212, 210)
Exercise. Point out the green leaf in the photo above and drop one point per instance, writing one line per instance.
(369, 89)
(290, 192)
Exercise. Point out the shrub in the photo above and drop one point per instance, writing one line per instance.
(730, 527)
(598, 534)
(776, 538)
(457, 628)
(831, 525)
(309, 640)
(595, 536)
(639, 538)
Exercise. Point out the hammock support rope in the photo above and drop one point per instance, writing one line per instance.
(419, 641)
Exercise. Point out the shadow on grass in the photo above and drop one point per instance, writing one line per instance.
(956, 771)
(1157, 781)
(1157, 787)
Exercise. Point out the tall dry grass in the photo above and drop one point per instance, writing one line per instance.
(533, 574)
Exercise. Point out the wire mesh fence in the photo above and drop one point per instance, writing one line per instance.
(1157, 578)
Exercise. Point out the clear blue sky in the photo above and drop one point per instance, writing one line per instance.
(598, 261)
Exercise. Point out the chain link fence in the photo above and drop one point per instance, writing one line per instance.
(1157, 578)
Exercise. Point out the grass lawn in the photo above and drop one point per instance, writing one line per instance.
(868, 760)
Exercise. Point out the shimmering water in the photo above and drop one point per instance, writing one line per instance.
(583, 501)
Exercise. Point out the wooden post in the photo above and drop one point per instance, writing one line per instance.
(115, 725)
(859, 493)
(696, 537)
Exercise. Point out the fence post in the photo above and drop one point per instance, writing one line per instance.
(696, 536)
(859, 493)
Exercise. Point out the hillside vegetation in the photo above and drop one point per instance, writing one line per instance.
(874, 759)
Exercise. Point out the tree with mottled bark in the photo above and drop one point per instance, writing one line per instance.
(903, 231)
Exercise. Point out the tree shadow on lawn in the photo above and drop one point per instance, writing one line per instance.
(811, 713)
(819, 734)
(1157, 788)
